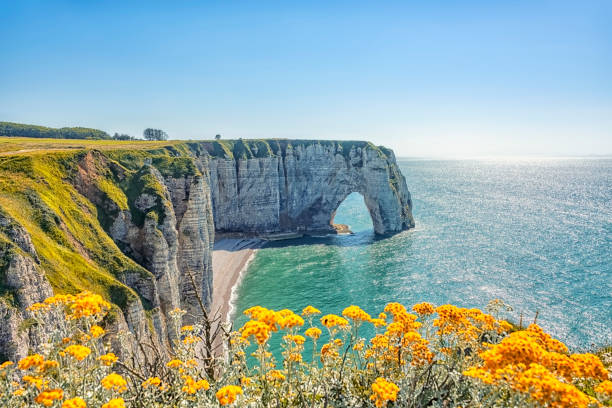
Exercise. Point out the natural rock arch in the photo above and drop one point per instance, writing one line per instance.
(299, 189)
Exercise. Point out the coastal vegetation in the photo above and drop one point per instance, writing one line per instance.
(442, 356)
(23, 130)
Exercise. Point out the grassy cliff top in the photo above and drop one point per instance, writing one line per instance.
(229, 149)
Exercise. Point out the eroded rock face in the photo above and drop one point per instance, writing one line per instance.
(171, 236)
(300, 188)
(24, 284)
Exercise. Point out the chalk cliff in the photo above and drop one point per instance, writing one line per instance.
(299, 185)
(137, 225)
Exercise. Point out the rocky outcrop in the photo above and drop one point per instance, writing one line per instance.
(299, 187)
(22, 284)
(167, 228)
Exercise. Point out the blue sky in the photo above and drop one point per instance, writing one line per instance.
(427, 78)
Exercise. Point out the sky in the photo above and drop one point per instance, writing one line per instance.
(426, 78)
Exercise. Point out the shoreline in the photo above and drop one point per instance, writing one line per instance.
(231, 258)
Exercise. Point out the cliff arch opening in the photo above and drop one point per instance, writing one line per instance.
(352, 213)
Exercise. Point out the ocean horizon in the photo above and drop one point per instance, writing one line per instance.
(533, 232)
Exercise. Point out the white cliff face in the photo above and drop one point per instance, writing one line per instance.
(302, 186)
(168, 230)
(24, 281)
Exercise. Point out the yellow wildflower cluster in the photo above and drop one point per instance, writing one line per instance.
(530, 361)
(313, 332)
(76, 402)
(48, 397)
(466, 324)
(78, 351)
(32, 361)
(356, 313)
(412, 352)
(264, 321)
(174, 363)
(115, 403)
(96, 331)
(383, 391)
(108, 359)
(424, 309)
(310, 311)
(114, 382)
(192, 386)
(151, 382)
(227, 395)
(332, 320)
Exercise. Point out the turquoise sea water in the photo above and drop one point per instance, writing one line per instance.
(535, 233)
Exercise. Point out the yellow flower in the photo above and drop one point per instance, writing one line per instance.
(245, 381)
(78, 352)
(19, 392)
(5, 365)
(260, 330)
(604, 388)
(75, 402)
(48, 397)
(36, 307)
(151, 382)
(383, 391)
(263, 315)
(115, 403)
(423, 308)
(356, 313)
(49, 364)
(191, 386)
(297, 339)
(96, 331)
(332, 320)
(187, 328)
(37, 382)
(328, 350)
(295, 357)
(174, 364)
(190, 339)
(59, 299)
(227, 395)
(87, 304)
(309, 311)
(114, 382)
(108, 359)
(378, 322)
(291, 321)
(32, 361)
(313, 332)
(275, 375)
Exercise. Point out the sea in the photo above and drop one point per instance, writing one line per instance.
(535, 233)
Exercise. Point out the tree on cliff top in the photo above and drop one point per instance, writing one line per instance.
(154, 134)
